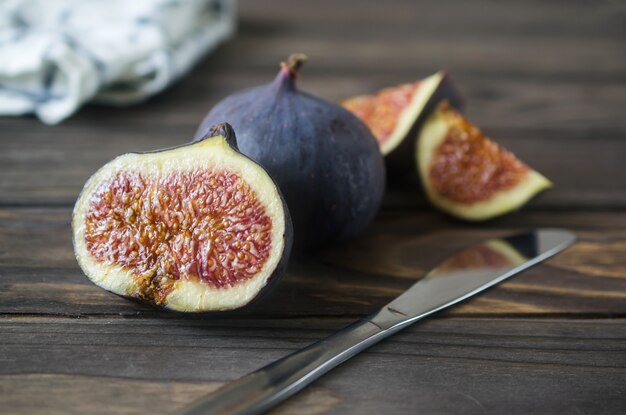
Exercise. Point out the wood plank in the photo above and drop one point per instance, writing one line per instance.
(78, 394)
(483, 36)
(72, 366)
(554, 95)
(39, 275)
(548, 20)
(43, 169)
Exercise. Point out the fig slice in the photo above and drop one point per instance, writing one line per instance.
(395, 114)
(199, 227)
(466, 174)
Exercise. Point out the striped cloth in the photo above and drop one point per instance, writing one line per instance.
(55, 55)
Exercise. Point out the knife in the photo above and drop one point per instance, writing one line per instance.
(459, 277)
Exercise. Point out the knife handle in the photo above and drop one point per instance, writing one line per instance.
(258, 391)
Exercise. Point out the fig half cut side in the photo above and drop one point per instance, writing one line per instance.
(466, 174)
(199, 227)
(396, 114)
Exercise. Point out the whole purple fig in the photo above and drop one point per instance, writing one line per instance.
(324, 159)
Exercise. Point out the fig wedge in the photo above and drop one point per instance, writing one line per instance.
(466, 174)
(395, 115)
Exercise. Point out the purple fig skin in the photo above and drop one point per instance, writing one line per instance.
(324, 159)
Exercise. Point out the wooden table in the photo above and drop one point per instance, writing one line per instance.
(548, 80)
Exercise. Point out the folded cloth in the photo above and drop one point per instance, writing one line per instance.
(55, 55)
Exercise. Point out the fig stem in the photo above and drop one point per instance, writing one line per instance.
(293, 64)
(225, 130)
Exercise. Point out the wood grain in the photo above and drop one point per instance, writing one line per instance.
(52, 394)
(547, 85)
(39, 275)
(438, 366)
(51, 169)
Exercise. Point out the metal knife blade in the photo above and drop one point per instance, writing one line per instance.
(471, 271)
(461, 276)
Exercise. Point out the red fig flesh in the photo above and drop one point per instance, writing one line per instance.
(396, 114)
(195, 228)
(466, 174)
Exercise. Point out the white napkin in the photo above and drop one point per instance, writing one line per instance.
(55, 55)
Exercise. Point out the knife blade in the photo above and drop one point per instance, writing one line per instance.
(456, 279)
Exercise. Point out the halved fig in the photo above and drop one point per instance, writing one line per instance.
(199, 227)
(466, 174)
(395, 114)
